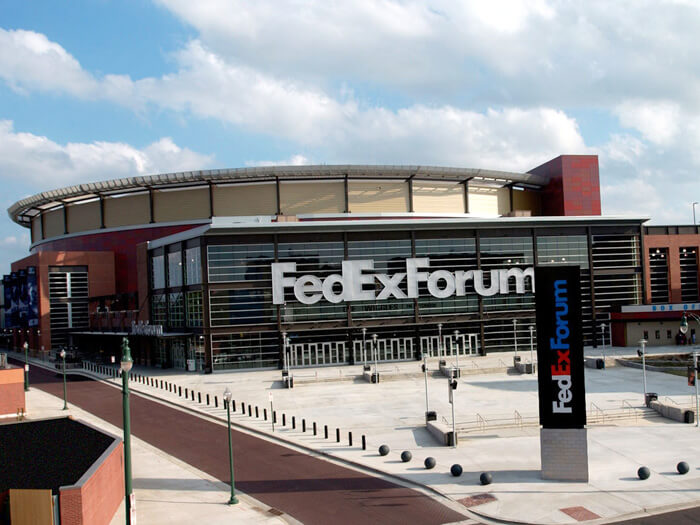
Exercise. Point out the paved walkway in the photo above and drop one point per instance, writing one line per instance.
(309, 489)
(168, 491)
(392, 412)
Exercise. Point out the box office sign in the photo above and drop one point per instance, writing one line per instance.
(562, 393)
(358, 282)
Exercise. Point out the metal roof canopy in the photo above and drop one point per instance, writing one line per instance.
(22, 211)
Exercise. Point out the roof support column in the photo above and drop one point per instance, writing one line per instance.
(277, 190)
(65, 219)
(150, 206)
(102, 212)
(347, 194)
(211, 200)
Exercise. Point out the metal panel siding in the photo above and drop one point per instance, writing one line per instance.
(126, 211)
(485, 204)
(83, 217)
(36, 228)
(240, 200)
(433, 198)
(378, 197)
(181, 205)
(527, 200)
(297, 198)
(53, 223)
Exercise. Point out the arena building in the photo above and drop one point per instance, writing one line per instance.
(242, 268)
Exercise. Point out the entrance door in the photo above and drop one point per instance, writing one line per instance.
(178, 353)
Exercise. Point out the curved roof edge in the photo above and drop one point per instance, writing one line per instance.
(23, 210)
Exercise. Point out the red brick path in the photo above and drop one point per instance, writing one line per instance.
(309, 489)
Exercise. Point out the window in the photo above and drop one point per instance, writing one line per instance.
(668, 334)
(658, 334)
(158, 309)
(157, 272)
(193, 265)
(194, 308)
(646, 334)
(175, 269)
(658, 275)
(240, 262)
(176, 309)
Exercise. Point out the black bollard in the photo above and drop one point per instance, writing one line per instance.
(303, 425)
(294, 422)
(250, 411)
(274, 416)
(349, 439)
(314, 428)
(364, 442)
(284, 420)
(325, 431)
(337, 435)
(242, 408)
(233, 404)
(199, 397)
(257, 412)
(207, 399)
(216, 402)
(265, 414)
(179, 391)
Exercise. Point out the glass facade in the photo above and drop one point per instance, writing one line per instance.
(157, 272)
(689, 274)
(175, 269)
(245, 329)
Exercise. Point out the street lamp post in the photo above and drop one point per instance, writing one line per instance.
(125, 365)
(532, 360)
(425, 376)
(694, 204)
(285, 365)
(684, 330)
(643, 352)
(456, 332)
(65, 397)
(227, 397)
(602, 333)
(515, 338)
(375, 349)
(440, 340)
(26, 366)
(364, 348)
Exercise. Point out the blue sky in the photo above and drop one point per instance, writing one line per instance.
(99, 89)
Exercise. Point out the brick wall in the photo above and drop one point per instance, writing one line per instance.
(11, 390)
(96, 500)
(574, 186)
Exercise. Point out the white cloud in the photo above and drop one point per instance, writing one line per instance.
(294, 160)
(30, 159)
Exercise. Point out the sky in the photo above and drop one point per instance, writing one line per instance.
(98, 89)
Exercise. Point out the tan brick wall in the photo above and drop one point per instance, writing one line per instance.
(11, 390)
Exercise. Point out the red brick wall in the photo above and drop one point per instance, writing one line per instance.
(672, 243)
(11, 390)
(574, 185)
(96, 501)
(122, 243)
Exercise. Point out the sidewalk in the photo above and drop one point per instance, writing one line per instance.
(391, 412)
(167, 490)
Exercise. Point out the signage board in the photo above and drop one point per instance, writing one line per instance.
(562, 393)
(359, 282)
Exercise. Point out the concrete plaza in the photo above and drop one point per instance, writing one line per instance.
(392, 413)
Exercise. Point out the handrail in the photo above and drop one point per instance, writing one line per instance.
(518, 419)
(502, 363)
(481, 422)
(596, 409)
(666, 398)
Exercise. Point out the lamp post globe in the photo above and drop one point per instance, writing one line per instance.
(684, 324)
(227, 397)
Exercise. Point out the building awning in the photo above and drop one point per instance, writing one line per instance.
(164, 335)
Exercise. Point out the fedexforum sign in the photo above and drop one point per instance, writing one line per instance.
(358, 282)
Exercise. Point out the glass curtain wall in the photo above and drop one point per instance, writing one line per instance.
(689, 274)
(658, 275)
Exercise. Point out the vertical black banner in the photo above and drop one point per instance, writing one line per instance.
(562, 391)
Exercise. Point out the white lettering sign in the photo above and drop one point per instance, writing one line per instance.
(358, 282)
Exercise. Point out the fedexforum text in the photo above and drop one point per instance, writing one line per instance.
(358, 282)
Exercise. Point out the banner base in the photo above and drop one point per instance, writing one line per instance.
(564, 454)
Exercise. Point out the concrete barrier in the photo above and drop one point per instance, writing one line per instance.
(595, 362)
(674, 412)
(523, 368)
(441, 432)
